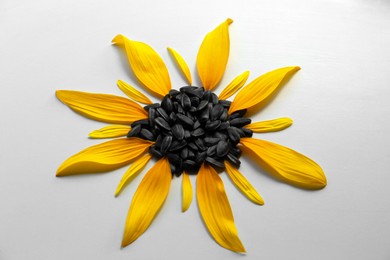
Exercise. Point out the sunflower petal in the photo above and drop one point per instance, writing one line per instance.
(133, 93)
(215, 209)
(243, 184)
(182, 65)
(234, 86)
(102, 107)
(147, 201)
(104, 157)
(110, 131)
(187, 192)
(259, 89)
(133, 170)
(213, 55)
(273, 125)
(286, 164)
(147, 65)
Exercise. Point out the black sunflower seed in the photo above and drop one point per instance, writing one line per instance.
(192, 109)
(192, 146)
(222, 149)
(191, 154)
(189, 164)
(232, 158)
(240, 122)
(200, 143)
(223, 126)
(187, 134)
(216, 112)
(225, 103)
(174, 92)
(195, 101)
(214, 98)
(152, 116)
(178, 131)
(143, 122)
(198, 132)
(174, 158)
(134, 131)
(202, 105)
(154, 105)
(185, 102)
(146, 134)
(185, 119)
(212, 125)
(166, 144)
(155, 152)
(211, 150)
(158, 141)
(162, 113)
(196, 124)
(204, 116)
(235, 151)
(177, 145)
(214, 162)
(178, 97)
(237, 114)
(184, 153)
(211, 140)
(234, 136)
(162, 123)
(180, 109)
(193, 91)
(247, 132)
(220, 135)
(172, 117)
(239, 131)
(200, 157)
(206, 95)
(224, 116)
(167, 104)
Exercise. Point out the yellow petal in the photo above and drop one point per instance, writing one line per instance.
(213, 55)
(182, 65)
(215, 209)
(273, 125)
(147, 201)
(187, 191)
(104, 157)
(243, 184)
(102, 107)
(133, 170)
(286, 164)
(260, 89)
(110, 131)
(133, 93)
(234, 86)
(147, 65)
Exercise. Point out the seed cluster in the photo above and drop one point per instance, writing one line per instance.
(191, 126)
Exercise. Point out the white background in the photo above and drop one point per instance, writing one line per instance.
(339, 102)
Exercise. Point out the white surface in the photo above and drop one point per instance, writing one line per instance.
(339, 103)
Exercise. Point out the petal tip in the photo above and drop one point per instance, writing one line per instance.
(229, 21)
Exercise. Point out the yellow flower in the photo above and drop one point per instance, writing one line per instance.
(192, 131)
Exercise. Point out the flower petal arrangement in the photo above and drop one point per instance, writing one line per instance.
(192, 131)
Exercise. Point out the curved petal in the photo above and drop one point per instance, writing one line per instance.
(182, 65)
(147, 201)
(259, 89)
(104, 157)
(147, 65)
(286, 164)
(133, 93)
(243, 184)
(213, 55)
(215, 209)
(234, 86)
(133, 170)
(102, 107)
(273, 125)
(110, 131)
(186, 189)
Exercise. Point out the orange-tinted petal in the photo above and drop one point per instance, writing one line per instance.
(147, 65)
(273, 125)
(213, 55)
(215, 209)
(110, 131)
(102, 107)
(133, 170)
(286, 164)
(133, 93)
(147, 201)
(234, 86)
(243, 184)
(182, 65)
(186, 189)
(104, 157)
(258, 90)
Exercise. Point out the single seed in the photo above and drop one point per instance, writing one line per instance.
(216, 112)
(152, 116)
(223, 126)
(198, 132)
(206, 95)
(185, 119)
(232, 158)
(234, 136)
(214, 162)
(184, 153)
(240, 122)
(224, 116)
(166, 144)
(185, 102)
(174, 158)
(154, 105)
(172, 117)
(177, 145)
(235, 151)
(158, 141)
(220, 135)
(190, 116)
(178, 97)
(200, 143)
(180, 109)
(211, 150)
(142, 122)
(163, 113)
(247, 132)
(134, 131)
(222, 149)
(214, 98)
(192, 109)
(187, 134)
(237, 114)
(204, 116)
(212, 125)
(188, 164)
(162, 123)
(196, 124)
(200, 157)
(202, 105)
(191, 154)
(178, 131)
(192, 146)
(167, 104)
(146, 134)
(211, 140)
(174, 92)
(240, 132)
(225, 103)
(155, 152)
(192, 91)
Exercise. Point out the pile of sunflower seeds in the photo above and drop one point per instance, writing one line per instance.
(191, 126)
